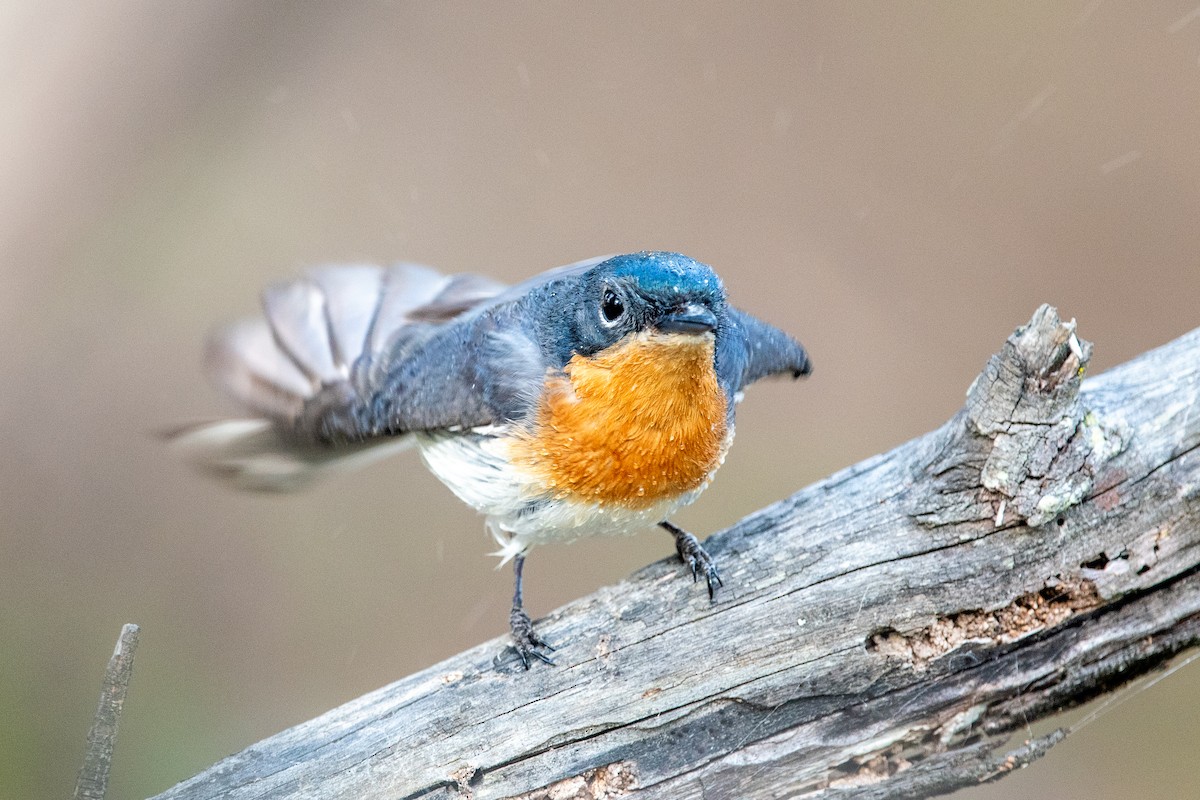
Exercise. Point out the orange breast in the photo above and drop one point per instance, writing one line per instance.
(641, 422)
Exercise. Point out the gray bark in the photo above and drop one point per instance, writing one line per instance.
(880, 634)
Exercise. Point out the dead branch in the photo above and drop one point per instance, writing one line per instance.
(881, 633)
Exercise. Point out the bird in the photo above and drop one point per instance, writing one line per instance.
(592, 399)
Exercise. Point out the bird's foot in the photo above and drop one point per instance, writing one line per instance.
(695, 557)
(525, 639)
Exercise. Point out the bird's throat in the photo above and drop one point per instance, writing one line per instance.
(640, 422)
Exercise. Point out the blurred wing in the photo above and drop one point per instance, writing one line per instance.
(300, 356)
(254, 454)
(299, 369)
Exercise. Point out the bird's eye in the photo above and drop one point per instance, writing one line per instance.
(611, 307)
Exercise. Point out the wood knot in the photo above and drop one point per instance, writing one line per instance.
(1034, 379)
(1023, 449)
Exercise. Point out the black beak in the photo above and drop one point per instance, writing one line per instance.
(691, 318)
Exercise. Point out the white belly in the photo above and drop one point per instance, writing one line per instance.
(521, 513)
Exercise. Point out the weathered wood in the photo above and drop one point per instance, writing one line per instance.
(92, 783)
(880, 634)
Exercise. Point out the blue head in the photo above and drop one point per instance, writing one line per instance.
(663, 279)
(586, 312)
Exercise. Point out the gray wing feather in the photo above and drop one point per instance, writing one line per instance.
(314, 330)
(460, 294)
(299, 319)
(351, 299)
(244, 361)
(405, 288)
(325, 344)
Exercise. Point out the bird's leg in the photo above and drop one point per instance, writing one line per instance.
(526, 641)
(692, 554)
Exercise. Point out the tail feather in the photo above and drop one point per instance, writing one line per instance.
(253, 454)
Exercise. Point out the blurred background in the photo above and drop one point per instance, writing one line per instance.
(898, 184)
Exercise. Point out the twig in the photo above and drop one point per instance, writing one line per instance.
(102, 738)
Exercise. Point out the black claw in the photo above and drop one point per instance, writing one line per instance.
(694, 556)
(526, 641)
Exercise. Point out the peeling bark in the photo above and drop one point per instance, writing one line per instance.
(881, 633)
(1027, 614)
